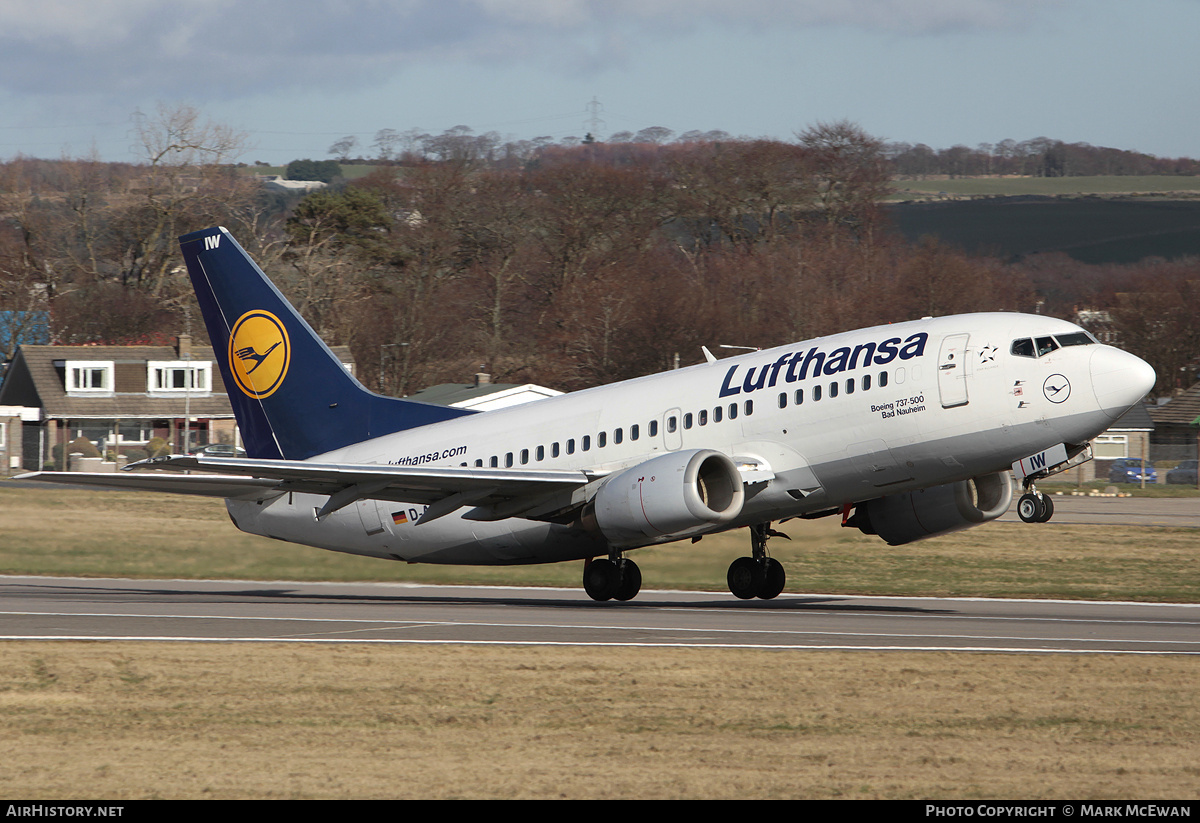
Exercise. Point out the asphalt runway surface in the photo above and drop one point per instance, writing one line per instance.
(44, 608)
(1179, 512)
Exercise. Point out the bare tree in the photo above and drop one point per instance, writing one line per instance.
(341, 148)
(851, 171)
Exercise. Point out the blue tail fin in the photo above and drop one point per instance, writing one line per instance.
(292, 397)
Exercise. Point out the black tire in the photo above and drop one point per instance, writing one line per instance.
(1047, 510)
(601, 578)
(745, 578)
(1029, 508)
(774, 579)
(631, 581)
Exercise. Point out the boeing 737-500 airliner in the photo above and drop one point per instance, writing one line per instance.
(905, 431)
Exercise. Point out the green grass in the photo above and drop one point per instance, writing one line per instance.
(124, 534)
(1012, 186)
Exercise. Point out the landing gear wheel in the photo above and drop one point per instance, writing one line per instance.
(631, 580)
(1047, 509)
(601, 579)
(1030, 508)
(745, 578)
(774, 579)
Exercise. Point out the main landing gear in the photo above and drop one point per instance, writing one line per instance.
(1034, 507)
(757, 576)
(612, 578)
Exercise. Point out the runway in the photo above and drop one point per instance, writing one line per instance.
(1172, 512)
(45, 608)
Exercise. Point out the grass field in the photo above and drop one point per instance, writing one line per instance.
(1062, 186)
(124, 534)
(124, 721)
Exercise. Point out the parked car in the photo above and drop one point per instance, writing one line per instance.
(218, 450)
(1184, 474)
(1129, 470)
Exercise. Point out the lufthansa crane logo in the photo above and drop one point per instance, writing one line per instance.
(1056, 388)
(259, 353)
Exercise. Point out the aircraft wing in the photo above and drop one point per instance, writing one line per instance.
(493, 493)
(204, 485)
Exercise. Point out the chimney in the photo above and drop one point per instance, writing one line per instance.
(183, 347)
(482, 378)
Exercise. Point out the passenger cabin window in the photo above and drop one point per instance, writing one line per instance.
(634, 432)
(799, 397)
(833, 389)
(687, 420)
(601, 440)
(717, 414)
(816, 393)
(618, 436)
(654, 428)
(587, 442)
(672, 423)
(524, 456)
(703, 417)
(883, 379)
(540, 454)
(571, 446)
(748, 407)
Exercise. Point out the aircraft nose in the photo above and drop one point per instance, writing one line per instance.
(1119, 379)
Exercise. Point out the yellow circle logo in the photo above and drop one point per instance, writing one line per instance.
(259, 353)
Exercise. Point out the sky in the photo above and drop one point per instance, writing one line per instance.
(296, 75)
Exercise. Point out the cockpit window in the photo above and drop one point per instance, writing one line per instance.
(1079, 338)
(1023, 347)
(1027, 347)
(1045, 345)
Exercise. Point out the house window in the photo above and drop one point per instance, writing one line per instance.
(1110, 445)
(178, 376)
(89, 377)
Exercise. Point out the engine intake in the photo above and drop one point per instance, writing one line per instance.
(676, 495)
(903, 518)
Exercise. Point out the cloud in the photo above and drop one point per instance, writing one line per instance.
(226, 48)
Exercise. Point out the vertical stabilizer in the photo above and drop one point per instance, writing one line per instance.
(292, 397)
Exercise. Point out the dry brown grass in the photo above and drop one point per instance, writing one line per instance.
(125, 721)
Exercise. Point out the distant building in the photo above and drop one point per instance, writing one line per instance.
(278, 182)
(483, 394)
(118, 397)
(1177, 426)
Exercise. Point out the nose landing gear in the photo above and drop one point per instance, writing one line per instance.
(1034, 507)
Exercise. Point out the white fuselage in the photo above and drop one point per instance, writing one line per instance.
(813, 426)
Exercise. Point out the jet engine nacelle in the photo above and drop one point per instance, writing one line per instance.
(903, 518)
(676, 495)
